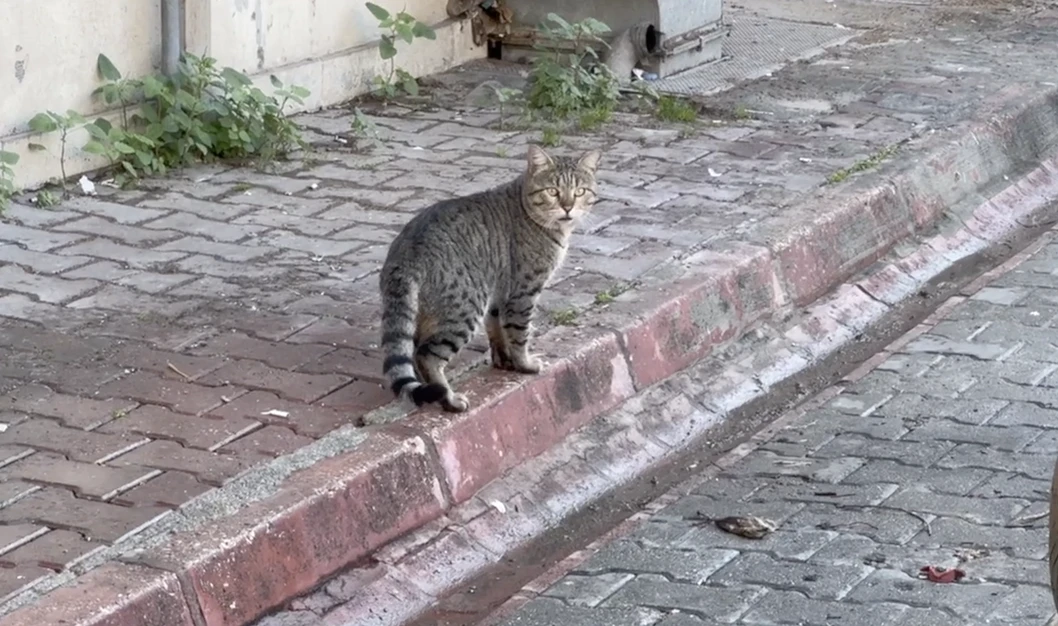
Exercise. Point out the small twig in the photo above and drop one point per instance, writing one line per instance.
(177, 370)
(1028, 520)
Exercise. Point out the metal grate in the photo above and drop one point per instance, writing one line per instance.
(757, 46)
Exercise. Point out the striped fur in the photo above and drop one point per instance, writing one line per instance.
(487, 253)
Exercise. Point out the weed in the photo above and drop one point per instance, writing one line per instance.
(46, 199)
(8, 161)
(673, 109)
(362, 126)
(609, 295)
(202, 113)
(862, 166)
(501, 151)
(563, 83)
(594, 118)
(551, 137)
(49, 122)
(505, 96)
(400, 26)
(742, 113)
(564, 317)
(240, 187)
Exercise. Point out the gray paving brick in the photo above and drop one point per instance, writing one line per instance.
(39, 262)
(980, 510)
(128, 255)
(827, 582)
(691, 566)
(942, 481)
(120, 213)
(34, 239)
(44, 288)
(791, 607)
(214, 229)
(226, 251)
(964, 600)
(1022, 543)
(588, 590)
(548, 612)
(722, 604)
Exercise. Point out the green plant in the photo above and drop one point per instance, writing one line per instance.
(550, 137)
(609, 295)
(49, 122)
(8, 161)
(564, 317)
(202, 113)
(46, 199)
(862, 166)
(362, 125)
(567, 82)
(594, 118)
(742, 113)
(673, 109)
(505, 96)
(400, 26)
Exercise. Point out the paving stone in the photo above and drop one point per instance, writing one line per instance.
(131, 235)
(723, 604)
(677, 565)
(44, 288)
(98, 521)
(965, 601)
(55, 550)
(213, 229)
(39, 262)
(826, 582)
(588, 591)
(547, 612)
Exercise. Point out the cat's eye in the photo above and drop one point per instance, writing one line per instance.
(551, 191)
(579, 192)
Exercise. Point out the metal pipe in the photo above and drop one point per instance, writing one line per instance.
(636, 44)
(172, 35)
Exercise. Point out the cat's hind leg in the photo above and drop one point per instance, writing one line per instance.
(436, 350)
(498, 347)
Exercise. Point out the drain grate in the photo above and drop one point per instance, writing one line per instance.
(756, 47)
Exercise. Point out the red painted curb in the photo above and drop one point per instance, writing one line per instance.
(342, 509)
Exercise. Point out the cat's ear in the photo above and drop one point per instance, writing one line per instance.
(539, 159)
(590, 161)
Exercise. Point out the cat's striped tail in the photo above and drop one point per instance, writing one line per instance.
(399, 312)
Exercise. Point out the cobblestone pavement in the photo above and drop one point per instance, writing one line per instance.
(159, 341)
(942, 455)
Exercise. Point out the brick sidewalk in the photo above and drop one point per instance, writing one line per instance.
(161, 341)
(942, 455)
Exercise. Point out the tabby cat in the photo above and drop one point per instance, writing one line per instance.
(493, 251)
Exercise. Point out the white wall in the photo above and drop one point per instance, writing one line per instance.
(48, 51)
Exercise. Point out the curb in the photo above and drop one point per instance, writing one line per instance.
(357, 490)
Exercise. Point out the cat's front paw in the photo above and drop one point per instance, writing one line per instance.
(528, 365)
(455, 403)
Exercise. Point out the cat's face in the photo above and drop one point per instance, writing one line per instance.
(560, 190)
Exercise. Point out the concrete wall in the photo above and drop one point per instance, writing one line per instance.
(48, 51)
